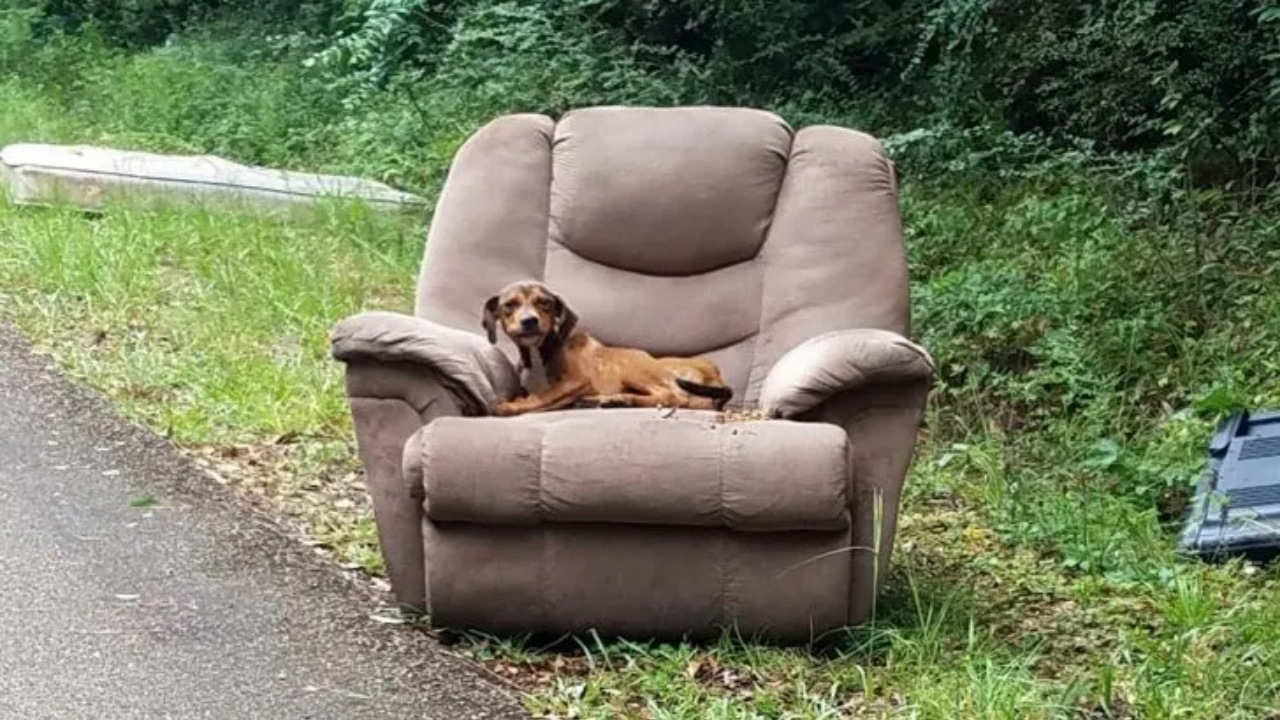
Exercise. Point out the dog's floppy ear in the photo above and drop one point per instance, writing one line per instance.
(490, 320)
(566, 318)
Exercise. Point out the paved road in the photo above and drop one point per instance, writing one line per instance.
(195, 608)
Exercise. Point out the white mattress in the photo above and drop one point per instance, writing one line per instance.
(87, 177)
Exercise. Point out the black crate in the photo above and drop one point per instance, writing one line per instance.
(1236, 508)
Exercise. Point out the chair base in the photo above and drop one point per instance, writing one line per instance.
(638, 581)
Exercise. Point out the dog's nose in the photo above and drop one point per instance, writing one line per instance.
(529, 323)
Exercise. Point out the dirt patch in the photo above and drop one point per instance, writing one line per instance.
(317, 485)
(739, 416)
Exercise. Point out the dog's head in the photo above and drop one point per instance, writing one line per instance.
(528, 313)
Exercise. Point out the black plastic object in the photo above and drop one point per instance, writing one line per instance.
(1236, 509)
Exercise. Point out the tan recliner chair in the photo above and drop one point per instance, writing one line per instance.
(680, 231)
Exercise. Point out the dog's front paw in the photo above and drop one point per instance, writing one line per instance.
(506, 409)
(603, 401)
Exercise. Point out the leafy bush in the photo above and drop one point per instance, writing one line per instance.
(149, 23)
(16, 32)
(1195, 76)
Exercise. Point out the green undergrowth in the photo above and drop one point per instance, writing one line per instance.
(212, 329)
(1091, 322)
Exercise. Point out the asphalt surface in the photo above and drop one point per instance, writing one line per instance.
(193, 608)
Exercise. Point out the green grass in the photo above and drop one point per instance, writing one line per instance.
(215, 326)
(213, 330)
(1087, 339)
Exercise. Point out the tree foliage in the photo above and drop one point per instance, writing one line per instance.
(1199, 79)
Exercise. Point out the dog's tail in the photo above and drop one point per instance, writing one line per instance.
(720, 393)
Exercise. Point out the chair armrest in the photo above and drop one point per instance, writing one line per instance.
(874, 384)
(475, 372)
(824, 366)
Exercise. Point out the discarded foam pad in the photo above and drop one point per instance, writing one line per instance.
(88, 177)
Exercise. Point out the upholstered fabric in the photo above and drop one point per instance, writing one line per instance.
(678, 230)
(634, 467)
(627, 200)
(477, 371)
(822, 367)
(779, 253)
(667, 582)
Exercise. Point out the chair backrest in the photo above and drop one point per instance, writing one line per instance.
(678, 230)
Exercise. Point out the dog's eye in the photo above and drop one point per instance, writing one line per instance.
(510, 305)
(544, 302)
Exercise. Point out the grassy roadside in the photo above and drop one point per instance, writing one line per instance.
(1032, 578)
(212, 331)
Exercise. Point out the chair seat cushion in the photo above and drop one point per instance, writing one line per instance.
(632, 466)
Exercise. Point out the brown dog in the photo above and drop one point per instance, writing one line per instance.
(582, 371)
